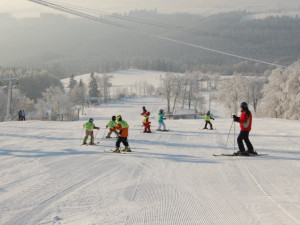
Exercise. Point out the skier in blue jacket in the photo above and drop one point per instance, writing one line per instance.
(161, 119)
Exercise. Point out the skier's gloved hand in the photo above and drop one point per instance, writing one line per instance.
(106, 126)
(234, 117)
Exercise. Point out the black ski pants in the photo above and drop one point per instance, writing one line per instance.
(208, 122)
(244, 135)
(123, 140)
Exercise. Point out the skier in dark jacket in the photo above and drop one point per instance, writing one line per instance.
(20, 114)
(245, 121)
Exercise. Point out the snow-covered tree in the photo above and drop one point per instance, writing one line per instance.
(105, 85)
(20, 101)
(232, 91)
(282, 93)
(177, 88)
(166, 88)
(78, 95)
(41, 109)
(60, 104)
(255, 87)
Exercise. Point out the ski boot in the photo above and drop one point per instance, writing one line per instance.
(126, 149)
(117, 150)
(240, 153)
(84, 140)
(251, 152)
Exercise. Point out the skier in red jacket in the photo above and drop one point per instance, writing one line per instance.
(144, 111)
(146, 123)
(245, 121)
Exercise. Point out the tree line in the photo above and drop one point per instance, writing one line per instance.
(42, 94)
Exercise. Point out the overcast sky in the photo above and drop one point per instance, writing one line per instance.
(23, 8)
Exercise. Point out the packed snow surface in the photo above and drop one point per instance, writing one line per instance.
(47, 177)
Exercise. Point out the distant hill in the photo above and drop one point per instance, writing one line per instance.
(65, 45)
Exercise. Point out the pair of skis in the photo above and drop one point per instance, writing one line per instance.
(112, 151)
(250, 155)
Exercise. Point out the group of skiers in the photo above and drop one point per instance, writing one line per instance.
(120, 127)
(116, 124)
(146, 123)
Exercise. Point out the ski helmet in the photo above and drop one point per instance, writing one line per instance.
(244, 105)
(119, 118)
(91, 120)
(208, 112)
(161, 110)
(113, 118)
(144, 107)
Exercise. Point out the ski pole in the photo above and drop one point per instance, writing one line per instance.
(104, 132)
(234, 138)
(229, 133)
(81, 138)
(96, 136)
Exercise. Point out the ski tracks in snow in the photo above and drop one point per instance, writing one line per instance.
(60, 189)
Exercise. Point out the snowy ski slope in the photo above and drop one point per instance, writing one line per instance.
(46, 177)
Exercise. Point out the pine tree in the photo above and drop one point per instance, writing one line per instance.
(72, 82)
(93, 87)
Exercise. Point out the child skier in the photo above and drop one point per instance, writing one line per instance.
(123, 127)
(144, 111)
(112, 127)
(161, 119)
(89, 126)
(146, 123)
(207, 118)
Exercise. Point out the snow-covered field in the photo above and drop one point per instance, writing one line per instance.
(46, 177)
(123, 77)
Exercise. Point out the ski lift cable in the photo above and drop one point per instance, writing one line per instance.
(148, 22)
(101, 20)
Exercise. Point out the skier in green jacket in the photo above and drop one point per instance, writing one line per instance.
(89, 127)
(112, 127)
(207, 118)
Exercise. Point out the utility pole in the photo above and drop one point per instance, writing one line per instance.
(8, 116)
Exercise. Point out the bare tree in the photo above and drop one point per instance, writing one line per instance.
(177, 88)
(232, 92)
(166, 88)
(105, 85)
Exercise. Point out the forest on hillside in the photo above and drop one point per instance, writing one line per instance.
(65, 46)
